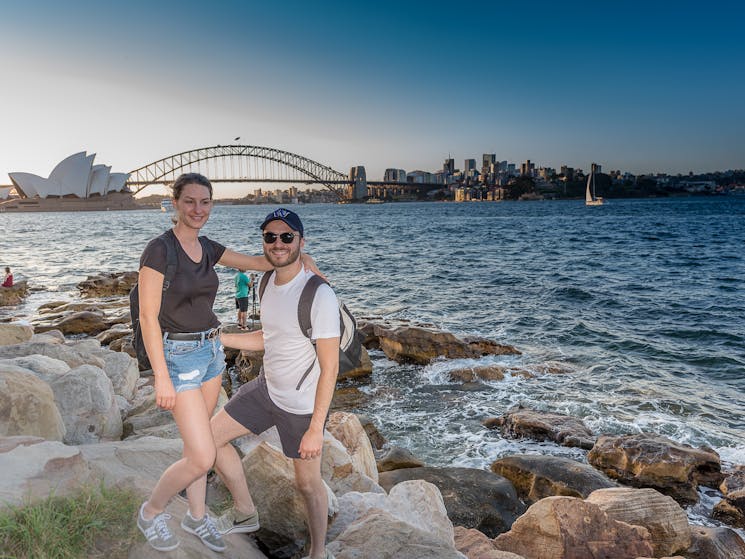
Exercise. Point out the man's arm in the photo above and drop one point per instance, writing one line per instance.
(251, 341)
(328, 358)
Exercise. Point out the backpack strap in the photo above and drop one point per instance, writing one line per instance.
(306, 302)
(264, 282)
(171, 259)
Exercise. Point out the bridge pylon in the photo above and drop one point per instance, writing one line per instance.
(358, 180)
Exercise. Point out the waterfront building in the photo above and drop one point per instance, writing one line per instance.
(420, 177)
(394, 175)
(527, 169)
(468, 166)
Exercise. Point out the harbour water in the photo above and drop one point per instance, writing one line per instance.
(642, 299)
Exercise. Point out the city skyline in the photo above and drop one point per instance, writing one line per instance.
(643, 89)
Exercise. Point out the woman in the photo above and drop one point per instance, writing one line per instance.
(181, 335)
(8, 278)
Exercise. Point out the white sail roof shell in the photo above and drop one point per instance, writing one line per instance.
(74, 175)
(99, 182)
(117, 182)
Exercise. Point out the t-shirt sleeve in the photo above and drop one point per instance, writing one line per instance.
(154, 256)
(324, 315)
(217, 250)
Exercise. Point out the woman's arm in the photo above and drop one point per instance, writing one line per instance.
(150, 286)
(238, 260)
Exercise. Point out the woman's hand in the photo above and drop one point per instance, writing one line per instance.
(165, 393)
(310, 264)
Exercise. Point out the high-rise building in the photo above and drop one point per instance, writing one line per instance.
(487, 160)
(394, 175)
(449, 166)
(469, 165)
(595, 168)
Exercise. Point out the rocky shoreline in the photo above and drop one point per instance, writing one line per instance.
(75, 409)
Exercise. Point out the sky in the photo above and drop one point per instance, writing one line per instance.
(638, 86)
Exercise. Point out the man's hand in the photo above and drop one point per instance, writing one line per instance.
(311, 444)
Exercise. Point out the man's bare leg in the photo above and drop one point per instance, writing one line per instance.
(227, 462)
(308, 481)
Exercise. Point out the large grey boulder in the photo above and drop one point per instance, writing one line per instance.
(27, 405)
(544, 426)
(347, 429)
(71, 355)
(536, 476)
(122, 370)
(661, 515)
(382, 535)
(13, 295)
(137, 463)
(415, 502)
(46, 368)
(33, 472)
(85, 398)
(646, 460)
(715, 543)
(564, 527)
(15, 333)
(473, 498)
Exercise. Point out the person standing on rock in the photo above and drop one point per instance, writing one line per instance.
(242, 287)
(8, 282)
(181, 336)
(294, 390)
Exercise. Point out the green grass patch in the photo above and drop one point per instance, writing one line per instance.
(95, 523)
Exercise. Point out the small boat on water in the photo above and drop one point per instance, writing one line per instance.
(166, 205)
(590, 198)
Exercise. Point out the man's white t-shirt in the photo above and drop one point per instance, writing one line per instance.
(287, 352)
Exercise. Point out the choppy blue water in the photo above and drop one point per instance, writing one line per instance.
(644, 299)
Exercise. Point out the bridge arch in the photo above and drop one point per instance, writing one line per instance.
(238, 162)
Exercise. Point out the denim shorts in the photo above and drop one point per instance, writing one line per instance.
(194, 362)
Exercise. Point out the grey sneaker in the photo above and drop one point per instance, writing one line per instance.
(156, 531)
(227, 524)
(205, 530)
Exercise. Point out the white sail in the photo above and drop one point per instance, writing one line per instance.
(590, 198)
(588, 191)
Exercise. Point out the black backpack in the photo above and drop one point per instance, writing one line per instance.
(134, 301)
(350, 343)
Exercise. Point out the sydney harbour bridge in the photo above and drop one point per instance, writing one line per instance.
(243, 163)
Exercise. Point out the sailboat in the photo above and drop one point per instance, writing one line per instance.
(590, 198)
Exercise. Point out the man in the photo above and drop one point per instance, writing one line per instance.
(242, 286)
(294, 390)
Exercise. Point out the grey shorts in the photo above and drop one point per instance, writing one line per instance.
(253, 408)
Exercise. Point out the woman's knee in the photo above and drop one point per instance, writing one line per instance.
(202, 460)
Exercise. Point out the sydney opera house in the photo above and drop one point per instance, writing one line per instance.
(75, 184)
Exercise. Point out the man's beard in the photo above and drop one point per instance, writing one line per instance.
(292, 257)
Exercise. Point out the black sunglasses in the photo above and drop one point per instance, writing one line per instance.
(271, 238)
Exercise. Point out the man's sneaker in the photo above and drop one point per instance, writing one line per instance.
(227, 523)
(156, 531)
(204, 528)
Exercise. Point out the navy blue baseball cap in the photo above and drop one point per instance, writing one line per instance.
(289, 217)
